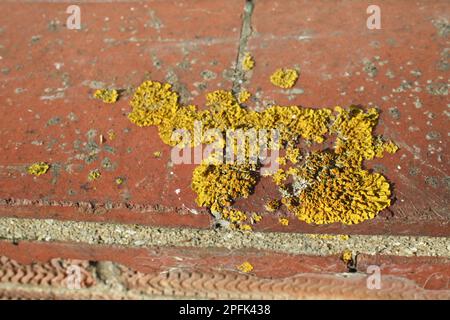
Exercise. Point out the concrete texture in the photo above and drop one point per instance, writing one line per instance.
(142, 236)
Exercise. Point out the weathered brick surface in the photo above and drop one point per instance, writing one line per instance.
(343, 63)
(50, 115)
(49, 73)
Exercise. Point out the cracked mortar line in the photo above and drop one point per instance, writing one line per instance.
(97, 233)
(246, 31)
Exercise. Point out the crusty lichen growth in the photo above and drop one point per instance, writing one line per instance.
(338, 190)
(94, 175)
(245, 267)
(273, 205)
(157, 154)
(248, 63)
(217, 186)
(244, 95)
(106, 95)
(284, 78)
(347, 256)
(38, 168)
(319, 187)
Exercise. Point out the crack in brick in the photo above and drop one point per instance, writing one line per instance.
(97, 207)
(246, 31)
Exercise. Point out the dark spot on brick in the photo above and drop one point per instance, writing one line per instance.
(414, 171)
(446, 181)
(432, 181)
(394, 113)
(442, 26)
(208, 75)
(370, 68)
(437, 89)
(433, 135)
(53, 121)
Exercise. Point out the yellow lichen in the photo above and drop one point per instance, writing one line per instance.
(245, 227)
(234, 216)
(283, 221)
(347, 256)
(284, 78)
(106, 95)
(245, 267)
(281, 160)
(94, 175)
(292, 154)
(273, 205)
(244, 95)
(118, 181)
(111, 134)
(279, 177)
(338, 190)
(320, 187)
(256, 217)
(38, 168)
(217, 186)
(248, 63)
(157, 154)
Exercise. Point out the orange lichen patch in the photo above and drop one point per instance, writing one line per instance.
(382, 146)
(248, 63)
(355, 141)
(217, 186)
(293, 154)
(245, 227)
(106, 95)
(281, 160)
(111, 134)
(38, 168)
(273, 205)
(319, 187)
(347, 256)
(94, 175)
(284, 78)
(337, 190)
(153, 103)
(244, 95)
(279, 177)
(245, 267)
(157, 154)
(256, 217)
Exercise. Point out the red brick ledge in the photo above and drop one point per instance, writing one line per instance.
(48, 281)
(40, 270)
